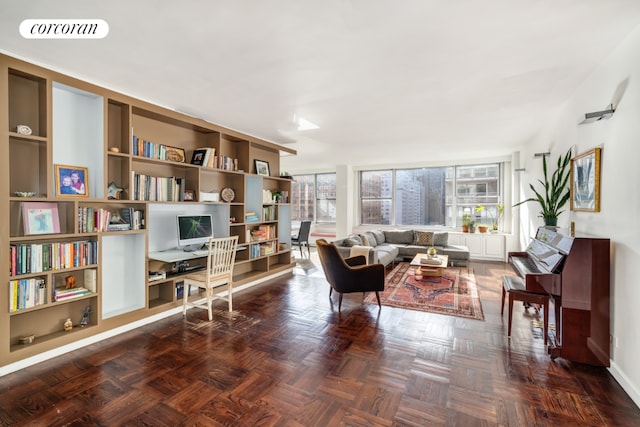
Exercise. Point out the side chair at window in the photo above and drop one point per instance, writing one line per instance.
(302, 239)
(219, 272)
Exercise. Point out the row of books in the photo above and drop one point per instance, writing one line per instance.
(152, 150)
(157, 188)
(262, 249)
(269, 213)
(26, 258)
(27, 293)
(98, 219)
(62, 294)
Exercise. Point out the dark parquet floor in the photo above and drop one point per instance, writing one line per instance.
(286, 357)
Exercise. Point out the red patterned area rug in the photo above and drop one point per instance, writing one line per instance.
(455, 293)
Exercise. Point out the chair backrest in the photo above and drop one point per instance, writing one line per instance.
(303, 234)
(222, 256)
(330, 259)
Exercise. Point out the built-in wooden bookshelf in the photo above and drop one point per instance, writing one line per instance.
(99, 130)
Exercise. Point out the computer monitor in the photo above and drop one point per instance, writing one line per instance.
(194, 230)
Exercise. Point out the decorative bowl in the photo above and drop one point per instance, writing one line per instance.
(24, 193)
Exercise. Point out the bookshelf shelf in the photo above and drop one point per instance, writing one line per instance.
(94, 127)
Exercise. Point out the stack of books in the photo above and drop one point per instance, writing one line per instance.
(251, 217)
(61, 294)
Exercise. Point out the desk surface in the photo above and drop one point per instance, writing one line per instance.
(176, 255)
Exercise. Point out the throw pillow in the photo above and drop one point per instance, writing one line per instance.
(441, 239)
(399, 237)
(379, 235)
(424, 238)
(368, 239)
(351, 241)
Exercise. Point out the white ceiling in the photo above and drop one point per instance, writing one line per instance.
(387, 81)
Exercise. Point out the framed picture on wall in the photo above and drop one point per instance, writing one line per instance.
(40, 218)
(585, 181)
(72, 181)
(262, 167)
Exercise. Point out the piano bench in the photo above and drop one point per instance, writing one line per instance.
(515, 287)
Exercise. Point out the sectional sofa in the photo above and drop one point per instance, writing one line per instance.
(386, 246)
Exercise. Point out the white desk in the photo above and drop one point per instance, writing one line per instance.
(176, 255)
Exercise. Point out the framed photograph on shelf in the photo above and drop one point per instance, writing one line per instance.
(189, 196)
(40, 218)
(585, 181)
(72, 181)
(175, 154)
(262, 167)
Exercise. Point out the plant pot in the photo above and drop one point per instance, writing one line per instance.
(465, 228)
(551, 222)
(482, 228)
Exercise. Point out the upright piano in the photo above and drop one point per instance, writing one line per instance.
(574, 272)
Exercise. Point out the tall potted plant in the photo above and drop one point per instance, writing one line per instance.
(555, 192)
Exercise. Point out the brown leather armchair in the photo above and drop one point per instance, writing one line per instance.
(347, 275)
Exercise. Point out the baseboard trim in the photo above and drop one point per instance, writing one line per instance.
(625, 383)
(50, 354)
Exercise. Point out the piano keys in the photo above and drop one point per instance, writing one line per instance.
(574, 272)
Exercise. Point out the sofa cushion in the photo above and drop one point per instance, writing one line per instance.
(424, 238)
(368, 239)
(399, 237)
(440, 238)
(350, 241)
(385, 253)
(379, 235)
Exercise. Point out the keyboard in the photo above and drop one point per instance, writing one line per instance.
(200, 252)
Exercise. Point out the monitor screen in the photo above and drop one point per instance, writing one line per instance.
(194, 230)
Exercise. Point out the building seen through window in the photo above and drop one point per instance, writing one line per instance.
(313, 197)
(437, 196)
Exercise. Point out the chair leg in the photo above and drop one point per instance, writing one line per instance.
(229, 297)
(545, 323)
(510, 312)
(185, 298)
(330, 291)
(378, 298)
(340, 303)
(504, 293)
(209, 302)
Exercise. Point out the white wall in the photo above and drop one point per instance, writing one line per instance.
(616, 81)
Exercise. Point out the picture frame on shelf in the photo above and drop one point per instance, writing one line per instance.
(585, 181)
(40, 218)
(175, 154)
(198, 156)
(71, 181)
(262, 167)
(189, 196)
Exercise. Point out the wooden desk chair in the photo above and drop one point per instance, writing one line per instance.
(219, 272)
(517, 290)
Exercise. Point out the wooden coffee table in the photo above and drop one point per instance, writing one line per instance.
(430, 269)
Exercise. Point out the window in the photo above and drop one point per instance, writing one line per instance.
(376, 190)
(314, 197)
(430, 196)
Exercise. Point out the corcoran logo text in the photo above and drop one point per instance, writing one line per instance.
(64, 29)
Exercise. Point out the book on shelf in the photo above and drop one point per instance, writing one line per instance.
(90, 279)
(61, 294)
(26, 293)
